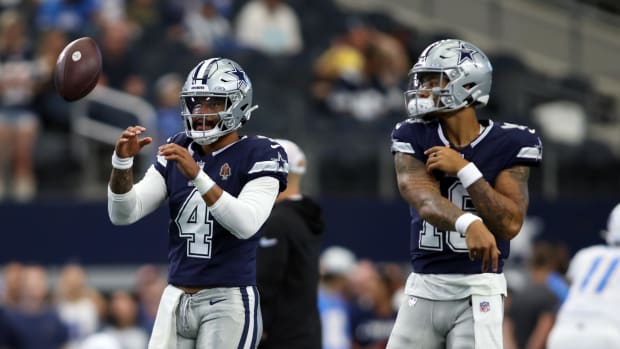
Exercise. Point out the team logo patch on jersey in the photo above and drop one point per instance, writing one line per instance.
(225, 171)
(485, 307)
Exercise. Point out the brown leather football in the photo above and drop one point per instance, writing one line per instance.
(77, 69)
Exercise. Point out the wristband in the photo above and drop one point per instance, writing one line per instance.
(469, 174)
(203, 182)
(121, 163)
(464, 220)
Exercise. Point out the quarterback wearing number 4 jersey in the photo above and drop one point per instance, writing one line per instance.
(220, 188)
(466, 182)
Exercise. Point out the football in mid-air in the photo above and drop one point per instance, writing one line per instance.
(77, 69)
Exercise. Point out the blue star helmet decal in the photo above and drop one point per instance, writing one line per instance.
(238, 73)
(465, 54)
(241, 78)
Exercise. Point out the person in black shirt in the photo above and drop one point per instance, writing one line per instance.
(288, 264)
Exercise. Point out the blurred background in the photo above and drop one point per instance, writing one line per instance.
(328, 74)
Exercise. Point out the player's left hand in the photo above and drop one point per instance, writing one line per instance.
(445, 159)
(186, 164)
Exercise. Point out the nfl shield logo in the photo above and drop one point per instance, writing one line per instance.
(485, 306)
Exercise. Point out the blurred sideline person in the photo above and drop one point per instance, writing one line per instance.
(288, 264)
(533, 307)
(466, 182)
(590, 316)
(220, 189)
(335, 292)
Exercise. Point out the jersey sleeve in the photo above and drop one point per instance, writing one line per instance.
(525, 146)
(268, 158)
(405, 140)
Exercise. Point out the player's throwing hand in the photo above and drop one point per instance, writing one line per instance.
(129, 144)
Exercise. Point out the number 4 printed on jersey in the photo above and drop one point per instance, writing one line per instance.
(196, 226)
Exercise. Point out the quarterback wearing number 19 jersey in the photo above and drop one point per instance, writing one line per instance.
(498, 147)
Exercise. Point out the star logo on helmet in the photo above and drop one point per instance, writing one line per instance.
(466, 54)
(238, 73)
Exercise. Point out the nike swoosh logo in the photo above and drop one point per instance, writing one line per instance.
(274, 146)
(266, 242)
(215, 301)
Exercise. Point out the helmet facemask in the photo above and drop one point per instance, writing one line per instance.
(204, 128)
(426, 94)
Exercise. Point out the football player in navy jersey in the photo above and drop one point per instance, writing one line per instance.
(466, 182)
(220, 189)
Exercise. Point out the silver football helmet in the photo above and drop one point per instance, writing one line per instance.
(464, 78)
(217, 78)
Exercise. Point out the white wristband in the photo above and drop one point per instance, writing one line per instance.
(464, 220)
(121, 163)
(203, 182)
(469, 174)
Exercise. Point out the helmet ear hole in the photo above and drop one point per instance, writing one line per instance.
(243, 107)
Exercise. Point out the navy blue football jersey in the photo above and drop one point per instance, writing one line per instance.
(499, 147)
(201, 251)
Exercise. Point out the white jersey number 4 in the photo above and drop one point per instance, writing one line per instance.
(196, 226)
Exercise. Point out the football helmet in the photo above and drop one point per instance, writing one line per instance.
(612, 234)
(462, 74)
(216, 78)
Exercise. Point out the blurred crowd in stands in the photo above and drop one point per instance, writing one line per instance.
(358, 302)
(319, 72)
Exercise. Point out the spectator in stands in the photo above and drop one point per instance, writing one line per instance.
(75, 17)
(270, 27)
(52, 108)
(34, 322)
(75, 304)
(167, 89)
(123, 325)
(150, 285)
(143, 15)
(373, 311)
(12, 283)
(121, 64)
(532, 309)
(336, 264)
(18, 122)
(208, 32)
(361, 74)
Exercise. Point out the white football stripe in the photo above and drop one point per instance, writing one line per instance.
(529, 153)
(271, 165)
(402, 147)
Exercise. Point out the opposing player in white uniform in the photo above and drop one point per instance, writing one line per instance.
(590, 316)
(466, 182)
